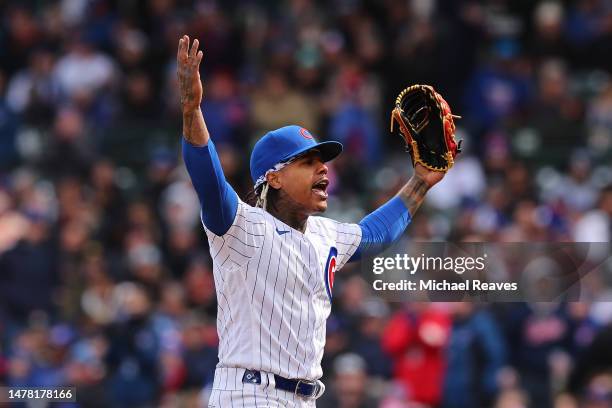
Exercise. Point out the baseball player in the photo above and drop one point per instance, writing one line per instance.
(273, 261)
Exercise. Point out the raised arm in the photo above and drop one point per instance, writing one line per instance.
(384, 226)
(218, 199)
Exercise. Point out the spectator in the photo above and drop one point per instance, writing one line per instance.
(476, 354)
(34, 91)
(599, 120)
(70, 152)
(536, 332)
(374, 314)
(349, 388)
(595, 225)
(226, 112)
(549, 38)
(415, 339)
(30, 274)
(275, 105)
(132, 353)
(83, 71)
(200, 353)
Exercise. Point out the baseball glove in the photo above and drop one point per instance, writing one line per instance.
(427, 125)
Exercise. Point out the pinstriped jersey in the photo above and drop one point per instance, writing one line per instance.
(274, 287)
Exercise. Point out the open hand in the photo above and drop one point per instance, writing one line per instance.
(188, 71)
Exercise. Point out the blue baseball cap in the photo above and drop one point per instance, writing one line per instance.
(283, 144)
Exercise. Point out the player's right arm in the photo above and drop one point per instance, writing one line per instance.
(218, 199)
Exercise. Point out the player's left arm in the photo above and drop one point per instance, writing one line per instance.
(385, 225)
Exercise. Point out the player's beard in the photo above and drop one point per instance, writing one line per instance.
(291, 211)
(309, 203)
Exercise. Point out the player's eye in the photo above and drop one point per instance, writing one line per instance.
(311, 159)
(306, 160)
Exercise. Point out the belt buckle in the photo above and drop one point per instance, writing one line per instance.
(315, 385)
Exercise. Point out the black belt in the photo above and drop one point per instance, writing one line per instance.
(303, 388)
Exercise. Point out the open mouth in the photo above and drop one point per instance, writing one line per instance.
(320, 188)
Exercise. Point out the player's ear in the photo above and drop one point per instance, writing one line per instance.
(274, 180)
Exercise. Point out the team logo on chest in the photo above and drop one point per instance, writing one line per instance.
(330, 270)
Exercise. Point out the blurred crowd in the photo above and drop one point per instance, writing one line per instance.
(105, 277)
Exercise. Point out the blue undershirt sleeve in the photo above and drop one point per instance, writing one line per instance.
(381, 228)
(218, 199)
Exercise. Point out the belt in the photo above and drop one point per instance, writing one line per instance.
(303, 388)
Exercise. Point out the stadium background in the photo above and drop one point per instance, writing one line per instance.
(105, 279)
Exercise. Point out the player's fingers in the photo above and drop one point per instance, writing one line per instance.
(199, 59)
(194, 48)
(183, 47)
(179, 49)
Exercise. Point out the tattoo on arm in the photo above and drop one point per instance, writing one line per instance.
(413, 194)
(190, 87)
(194, 128)
(184, 77)
(189, 120)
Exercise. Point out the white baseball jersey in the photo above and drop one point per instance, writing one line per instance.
(274, 287)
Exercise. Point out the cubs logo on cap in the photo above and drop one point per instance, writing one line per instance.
(330, 270)
(304, 132)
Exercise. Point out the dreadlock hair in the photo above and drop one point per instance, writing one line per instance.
(262, 196)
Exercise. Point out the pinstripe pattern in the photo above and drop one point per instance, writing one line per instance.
(271, 295)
